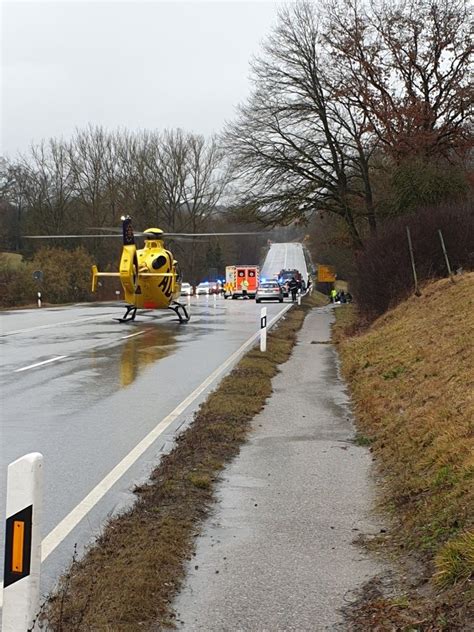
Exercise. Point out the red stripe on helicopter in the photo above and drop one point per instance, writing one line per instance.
(149, 305)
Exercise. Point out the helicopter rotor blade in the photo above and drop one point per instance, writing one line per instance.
(110, 229)
(117, 232)
(67, 236)
(192, 235)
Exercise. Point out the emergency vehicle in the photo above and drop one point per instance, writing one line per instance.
(235, 275)
(285, 277)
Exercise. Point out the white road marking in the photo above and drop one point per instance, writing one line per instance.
(64, 322)
(33, 366)
(139, 333)
(57, 535)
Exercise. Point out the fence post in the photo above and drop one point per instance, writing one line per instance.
(445, 255)
(263, 329)
(21, 581)
(417, 291)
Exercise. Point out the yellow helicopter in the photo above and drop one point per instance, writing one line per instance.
(150, 276)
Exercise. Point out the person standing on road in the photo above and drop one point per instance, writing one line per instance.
(293, 288)
(333, 295)
(245, 287)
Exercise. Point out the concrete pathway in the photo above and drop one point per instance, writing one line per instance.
(277, 552)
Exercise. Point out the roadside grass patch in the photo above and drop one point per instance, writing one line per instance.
(454, 562)
(127, 580)
(412, 384)
(362, 440)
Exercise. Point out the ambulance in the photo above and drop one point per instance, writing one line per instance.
(235, 275)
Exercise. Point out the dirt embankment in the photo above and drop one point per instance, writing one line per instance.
(412, 381)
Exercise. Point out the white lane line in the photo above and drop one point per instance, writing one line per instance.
(139, 333)
(64, 322)
(33, 366)
(55, 537)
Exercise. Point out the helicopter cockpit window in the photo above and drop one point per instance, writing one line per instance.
(159, 262)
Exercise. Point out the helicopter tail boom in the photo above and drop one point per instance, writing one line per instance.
(96, 274)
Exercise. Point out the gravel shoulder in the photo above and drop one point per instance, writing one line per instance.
(278, 552)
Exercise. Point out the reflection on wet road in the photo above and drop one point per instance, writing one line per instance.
(138, 352)
(85, 390)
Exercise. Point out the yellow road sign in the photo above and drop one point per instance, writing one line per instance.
(326, 274)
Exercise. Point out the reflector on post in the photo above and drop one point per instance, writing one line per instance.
(18, 546)
(263, 329)
(22, 543)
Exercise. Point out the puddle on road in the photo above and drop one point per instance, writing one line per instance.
(142, 351)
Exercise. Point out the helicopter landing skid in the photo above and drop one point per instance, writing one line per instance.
(129, 314)
(175, 306)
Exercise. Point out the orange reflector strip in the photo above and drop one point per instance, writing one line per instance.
(18, 541)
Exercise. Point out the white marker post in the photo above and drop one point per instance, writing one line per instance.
(21, 585)
(39, 299)
(263, 329)
(299, 297)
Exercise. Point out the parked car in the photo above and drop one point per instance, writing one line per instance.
(186, 289)
(269, 291)
(203, 288)
(215, 288)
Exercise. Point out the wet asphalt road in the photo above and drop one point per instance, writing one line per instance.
(84, 390)
(285, 256)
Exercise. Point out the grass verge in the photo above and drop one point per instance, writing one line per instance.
(127, 580)
(412, 383)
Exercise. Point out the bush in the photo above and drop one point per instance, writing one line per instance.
(66, 278)
(17, 286)
(66, 274)
(383, 275)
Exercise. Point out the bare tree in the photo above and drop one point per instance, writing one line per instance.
(41, 182)
(405, 65)
(297, 148)
(93, 165)
(141, 193)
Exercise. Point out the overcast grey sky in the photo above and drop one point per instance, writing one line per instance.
(137, 65)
